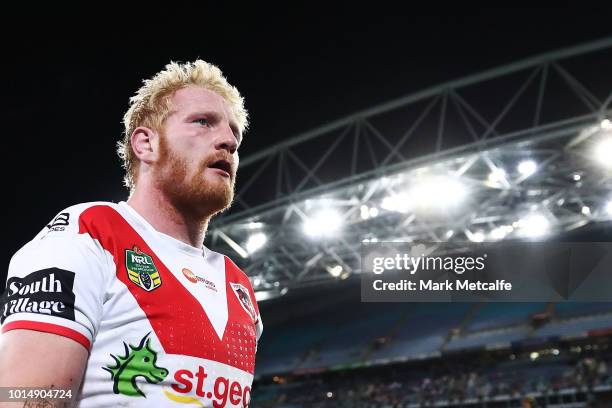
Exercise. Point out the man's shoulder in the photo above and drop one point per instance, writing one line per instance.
(64, 238)
(68, 220)
(79, 208)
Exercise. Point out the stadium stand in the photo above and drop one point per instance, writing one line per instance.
(345, 353)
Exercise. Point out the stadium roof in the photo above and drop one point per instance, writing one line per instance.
(519, 151)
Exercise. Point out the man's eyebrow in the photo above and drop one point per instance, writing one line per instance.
(211, 113)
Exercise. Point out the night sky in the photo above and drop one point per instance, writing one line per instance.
(67, 84)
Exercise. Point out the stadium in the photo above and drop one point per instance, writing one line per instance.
(522, 167)
(436, 136)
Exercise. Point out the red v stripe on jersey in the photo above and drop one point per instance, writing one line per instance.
(178, 319)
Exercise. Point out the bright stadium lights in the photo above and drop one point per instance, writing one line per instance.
(397, 202)
(577, 177)
(606, 124)
(335, 270)
(255, 225)
(365, 212)
(609, 207)
(437, 192)
(527, 167)
(428, 193)
(262, 295)
(256, 242)
(497, 234)
(323, 224)
(586, 210)
(368, 212)
(477, 236)
(603, 152)
(497, 176)
(534, 225)
(500, 232)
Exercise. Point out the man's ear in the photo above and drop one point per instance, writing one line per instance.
(145, 143)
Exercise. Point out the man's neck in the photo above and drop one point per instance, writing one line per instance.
(166, 218)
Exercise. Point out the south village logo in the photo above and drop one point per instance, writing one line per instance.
(138, 361)
(141, 269)
(45, 292)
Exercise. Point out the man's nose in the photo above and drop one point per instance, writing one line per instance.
(226, 140)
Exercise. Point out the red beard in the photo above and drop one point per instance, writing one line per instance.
(192, 193)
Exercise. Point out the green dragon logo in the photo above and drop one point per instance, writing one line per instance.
(138, 362)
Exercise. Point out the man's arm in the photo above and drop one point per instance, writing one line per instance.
(52, 306)
(42, 360)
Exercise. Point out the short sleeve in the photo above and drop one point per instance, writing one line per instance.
(56, 282)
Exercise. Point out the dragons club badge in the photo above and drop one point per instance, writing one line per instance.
(141, 269)
(245, 300)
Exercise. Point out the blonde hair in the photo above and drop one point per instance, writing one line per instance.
(152, 104)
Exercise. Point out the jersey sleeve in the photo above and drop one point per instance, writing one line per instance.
(57, 282)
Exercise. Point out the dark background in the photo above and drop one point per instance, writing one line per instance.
(67, 79)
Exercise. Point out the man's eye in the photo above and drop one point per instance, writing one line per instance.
(202, 121)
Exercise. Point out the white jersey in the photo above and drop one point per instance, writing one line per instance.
(166, 324)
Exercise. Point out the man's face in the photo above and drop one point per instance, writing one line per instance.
(198, 155)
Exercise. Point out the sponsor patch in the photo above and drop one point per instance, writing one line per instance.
(47, 292)
(222, 391)
(141, 269)
(193, 278)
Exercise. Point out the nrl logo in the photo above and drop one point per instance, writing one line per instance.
(138, 361)
(141, 269)
(245, 300)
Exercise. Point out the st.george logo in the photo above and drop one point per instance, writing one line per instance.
(138, 361)
(141, 269)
